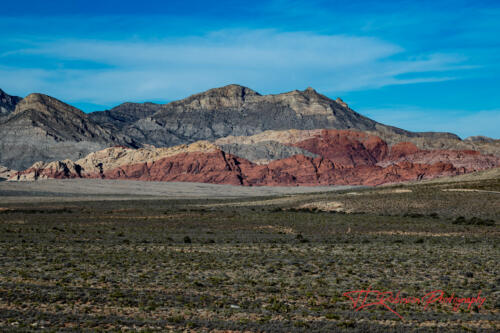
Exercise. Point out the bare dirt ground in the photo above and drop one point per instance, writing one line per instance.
(90, 189)
(122, 256)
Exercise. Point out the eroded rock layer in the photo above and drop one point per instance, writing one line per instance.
(314, 157)
(42, 128)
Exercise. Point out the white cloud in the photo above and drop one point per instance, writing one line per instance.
(266, 60)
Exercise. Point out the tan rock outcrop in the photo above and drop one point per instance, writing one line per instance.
(6, 173)
(339, 157)
(113, 157)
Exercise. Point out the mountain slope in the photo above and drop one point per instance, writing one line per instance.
(239, 111)
(235, 110)
(7, 103)
(124, 114)
(44, 128)
(321, 157)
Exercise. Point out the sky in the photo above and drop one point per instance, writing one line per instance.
(419, 65)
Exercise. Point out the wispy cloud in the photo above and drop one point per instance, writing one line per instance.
(267, 60)
(228, 48)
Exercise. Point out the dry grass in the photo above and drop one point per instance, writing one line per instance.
(253, 264)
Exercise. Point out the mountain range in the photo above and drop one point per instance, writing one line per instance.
(229, 135)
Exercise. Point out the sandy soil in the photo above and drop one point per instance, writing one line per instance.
(467, 190)
(92, 189)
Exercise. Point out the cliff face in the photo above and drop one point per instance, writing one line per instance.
(239, 111)
(44, 128)
(336, 157)
(262, 129)
(7, 103)
(124, 115)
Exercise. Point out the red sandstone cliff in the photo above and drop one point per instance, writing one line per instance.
(343, 157)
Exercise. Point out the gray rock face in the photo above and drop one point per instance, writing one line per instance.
(236, 110)
(7, 103)
(43, 128)
(480, 139)
(264, 152)
(124, 114)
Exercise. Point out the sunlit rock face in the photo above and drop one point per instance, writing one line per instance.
(319, 157)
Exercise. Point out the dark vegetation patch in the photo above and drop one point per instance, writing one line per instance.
(473, 221)
(201, 265)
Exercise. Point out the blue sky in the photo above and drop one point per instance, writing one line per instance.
(419, 65)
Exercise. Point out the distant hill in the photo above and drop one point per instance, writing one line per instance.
(42, 128)
(284, 158)
(238, 111)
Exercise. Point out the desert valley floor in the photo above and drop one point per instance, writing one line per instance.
(89, 255)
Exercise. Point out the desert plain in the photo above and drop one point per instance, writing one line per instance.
(94, 255)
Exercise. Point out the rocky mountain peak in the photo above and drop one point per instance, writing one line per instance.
(311, 93)
(38, 98)
(44, 128)
(231, 91)
(304, 98)
(45, 104)
(230, 96)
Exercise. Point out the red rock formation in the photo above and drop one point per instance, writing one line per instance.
(57, 169)
(217, 168)
(402, 149)
(220, 168)
(346, 158)
(346, 148)
(468, 160)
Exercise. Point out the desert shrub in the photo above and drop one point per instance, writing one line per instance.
(473, 221)
(479, 221)
(413, 215)
(301, 238)
(332, 316)
(176, 319)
